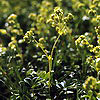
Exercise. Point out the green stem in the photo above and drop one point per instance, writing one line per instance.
(50, 61)
(49, 58)
(50, 67)
(98, 75)
(42, 49)
(55, 45)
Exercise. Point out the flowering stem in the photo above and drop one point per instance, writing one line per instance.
(49, 58)
(50, 61)
(55, 45)
(50, 66)
(42, 48)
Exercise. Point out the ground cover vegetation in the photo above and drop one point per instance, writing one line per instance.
(49, 49)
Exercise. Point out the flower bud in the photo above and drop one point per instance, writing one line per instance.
(97, 29)
(58, 11)
(98, 17)
(15, 31)
(32, 16)
(70, 17)
(96, 49)
(53, 24)
(96, 2)
(89, 60)
(92, 6)
(90, 83)
(49, 20)
(98, 64)
(92, 12)
(52, 16)
(97, 85)
(3, 31)
(12, 46)
(80, 5)
(12, 17)
(42, 40)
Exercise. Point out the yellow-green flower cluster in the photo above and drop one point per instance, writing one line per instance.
(97, 29)
(90, 83)
(68, 18)
(17, 31)
(96, 2)
(45, 8)
(98, 41)
(98, 18)
(59, 21)
(58, 12)
(12, 44)
(90, 47)
(98, 64)
(12, 17)
(42, 40)
(82, 42)
(5, 8)
(2, 50)
(90, 60)
(32, 16)
(13, 26)
(95, 61)
(96, 49)
(39, 19)
(28, 36)
(80, 5)
(3, 31)
(97, 86)
(92, 12)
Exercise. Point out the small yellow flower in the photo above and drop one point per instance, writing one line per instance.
(98, 64)
(3, 31)
(12, 17)
(49, 57)
(90, 83)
